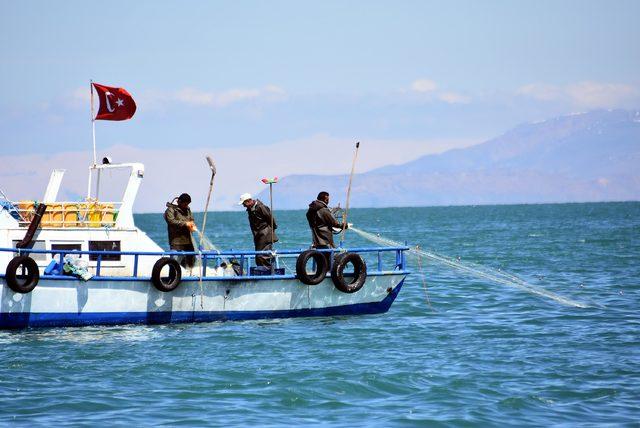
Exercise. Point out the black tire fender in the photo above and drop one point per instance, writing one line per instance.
(169, 283)
(31, 278)
(321, 267)
(359, 270)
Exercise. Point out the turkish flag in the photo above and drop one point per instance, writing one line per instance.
(115, 103)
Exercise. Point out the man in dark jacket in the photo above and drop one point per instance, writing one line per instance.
(180, 224)
(321, 222)
(260, 221)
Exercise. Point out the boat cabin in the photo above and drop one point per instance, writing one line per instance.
(87, 225)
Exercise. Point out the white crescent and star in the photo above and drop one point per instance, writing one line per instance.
(119, 102)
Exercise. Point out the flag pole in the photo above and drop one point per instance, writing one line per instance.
(93, 123)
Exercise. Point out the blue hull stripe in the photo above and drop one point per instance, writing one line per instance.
(66, 319)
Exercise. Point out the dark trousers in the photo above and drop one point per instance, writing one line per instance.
(263, 259)
(185, 261)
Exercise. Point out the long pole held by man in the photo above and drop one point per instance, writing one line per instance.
(212, 166)
(346, 209)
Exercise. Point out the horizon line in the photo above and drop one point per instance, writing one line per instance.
(430, 206)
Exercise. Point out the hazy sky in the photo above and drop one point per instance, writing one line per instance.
(266, 84)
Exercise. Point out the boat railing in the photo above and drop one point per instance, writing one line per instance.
(394, 257)
(85, 214)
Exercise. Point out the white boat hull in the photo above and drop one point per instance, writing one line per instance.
(66, 301)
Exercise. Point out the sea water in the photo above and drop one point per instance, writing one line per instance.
(454, 349)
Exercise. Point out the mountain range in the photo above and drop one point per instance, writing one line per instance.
(593, 156)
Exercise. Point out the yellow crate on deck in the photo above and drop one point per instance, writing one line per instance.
(72, 214)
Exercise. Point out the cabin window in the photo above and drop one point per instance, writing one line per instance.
(67, 248)
(105, 246)
(34, 245)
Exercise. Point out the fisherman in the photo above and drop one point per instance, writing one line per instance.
(260, 221)
(180, 224)
(321, 222)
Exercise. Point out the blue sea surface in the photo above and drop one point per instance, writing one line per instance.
(453, 350)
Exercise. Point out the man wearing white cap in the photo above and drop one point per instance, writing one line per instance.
(260, 222)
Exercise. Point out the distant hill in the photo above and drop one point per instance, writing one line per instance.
(592, 156)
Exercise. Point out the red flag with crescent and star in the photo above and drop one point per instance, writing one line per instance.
(115, 103)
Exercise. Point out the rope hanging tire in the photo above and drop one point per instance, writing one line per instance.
(27, 281)
(359, 272)
(316, 277)
(168, 283)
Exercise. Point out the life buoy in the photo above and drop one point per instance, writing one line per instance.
(168, 283)
(359, 272)
(321, 267)
(27, 280)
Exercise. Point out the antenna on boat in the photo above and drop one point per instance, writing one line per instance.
(346, 208)
(271, 182)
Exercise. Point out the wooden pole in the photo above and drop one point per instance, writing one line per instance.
(346, 209)
(212, 166)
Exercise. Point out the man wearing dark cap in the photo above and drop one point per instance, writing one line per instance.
(180, 224)
(321, 222)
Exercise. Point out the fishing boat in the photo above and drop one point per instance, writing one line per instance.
(86, 263)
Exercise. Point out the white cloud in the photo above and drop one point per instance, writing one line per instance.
(424, 85)
(171, 172)
(454, 98)
(82, 94)
(193, 96)
(76, 98)
(587, 94)
(429, 89)
(269, 92)
(540, 92)
(235, 95)
(594, 94)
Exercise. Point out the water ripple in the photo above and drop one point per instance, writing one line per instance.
(483, 355)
